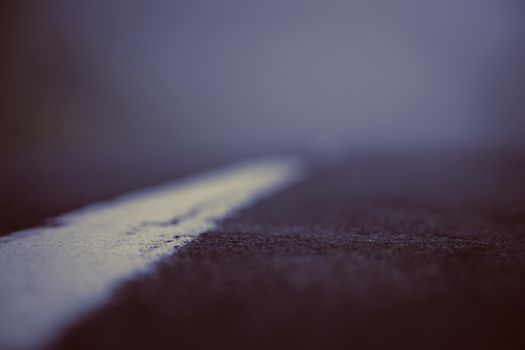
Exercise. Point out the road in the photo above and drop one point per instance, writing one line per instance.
(367, 252)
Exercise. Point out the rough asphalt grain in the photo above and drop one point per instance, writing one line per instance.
(367, 253)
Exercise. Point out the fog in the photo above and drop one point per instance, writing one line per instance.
(102, 97)
(263, 76)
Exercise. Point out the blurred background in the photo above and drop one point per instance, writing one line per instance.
(100, 97)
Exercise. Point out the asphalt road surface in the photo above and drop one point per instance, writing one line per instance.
(371, 252)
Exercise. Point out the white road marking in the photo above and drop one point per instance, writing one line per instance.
(50, 276)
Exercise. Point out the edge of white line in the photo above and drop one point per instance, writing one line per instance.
(51, 276)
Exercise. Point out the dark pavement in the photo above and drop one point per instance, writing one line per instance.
(377, 252)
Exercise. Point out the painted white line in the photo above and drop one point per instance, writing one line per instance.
(50, 276)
